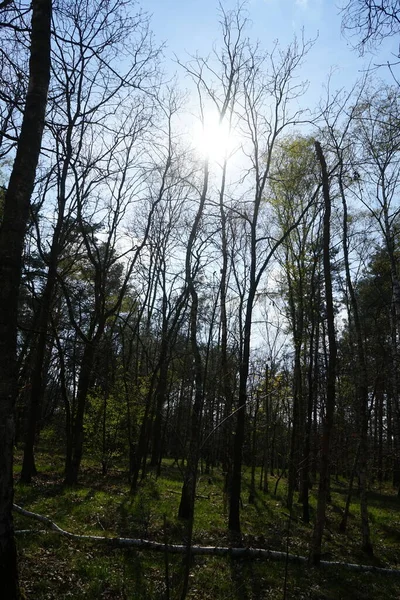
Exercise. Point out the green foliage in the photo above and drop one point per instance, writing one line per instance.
(105, 425)
(294, 173)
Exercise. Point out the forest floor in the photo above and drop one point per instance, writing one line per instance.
(53, 567)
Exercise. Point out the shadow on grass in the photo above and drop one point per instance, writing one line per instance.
(240, 579)
(392, 534)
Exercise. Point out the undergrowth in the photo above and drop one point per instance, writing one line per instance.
(52, 567)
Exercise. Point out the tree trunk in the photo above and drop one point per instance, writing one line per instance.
(160, 394)
(225, 374)
(305, 471)
(36, 388)
(72, 467)
(252, 492)
(12, 234)
(362, 387)
(346, 512)
(186, 506)
(188, 495)
(37, 384)
(267, 463)
(236, 482)
(323, 491)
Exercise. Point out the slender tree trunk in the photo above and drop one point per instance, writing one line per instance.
(37, 383)
(188, 495)
(295, 434)
(160, 394)
(167, 339)
(236, 483)
(66, 400)
(379, 409)
(36, 389)
(297, 325)
(267, 462)
(72, 468)
(252, 493)
(305, 471)
(225, 375)
(323, 491)
(12, 235)
(138, 451)
(362, 387)
(343, 522)
(186, 506)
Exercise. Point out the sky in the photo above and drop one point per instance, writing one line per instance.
(190, 26)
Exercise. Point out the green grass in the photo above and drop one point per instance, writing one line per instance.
(54, 567)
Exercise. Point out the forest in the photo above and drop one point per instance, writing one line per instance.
(200, 322)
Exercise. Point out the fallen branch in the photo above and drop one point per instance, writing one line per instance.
(30, 531)
(141, 544)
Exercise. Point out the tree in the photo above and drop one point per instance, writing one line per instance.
(315, 555)
(12, 234)
(344, 109)
(88, 90)
(165, 298)
(376, 136)
(222, 95)
(372, 20)
(263, 129)
(374, 297)
(294, 180)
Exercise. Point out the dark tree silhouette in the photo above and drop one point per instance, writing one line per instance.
(12, 235)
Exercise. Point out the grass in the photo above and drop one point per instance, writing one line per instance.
(52, 567)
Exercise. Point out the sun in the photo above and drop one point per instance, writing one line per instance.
(212, 138)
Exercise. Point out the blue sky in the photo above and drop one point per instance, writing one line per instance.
(188, 26)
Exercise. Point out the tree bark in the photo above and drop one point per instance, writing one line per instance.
(362, 388)
(236, 483)
(186, 506)
(12, 235)
(323, 491)
(73, 465)
(313, 355)
(37, 382)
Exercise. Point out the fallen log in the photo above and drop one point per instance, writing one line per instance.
(141, 544)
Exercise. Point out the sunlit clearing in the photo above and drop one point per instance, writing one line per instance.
(212, 139)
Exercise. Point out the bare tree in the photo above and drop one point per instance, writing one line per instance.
(372, 21)
(268, 82)
(323, 490)
(344, 109)
(86, 93)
